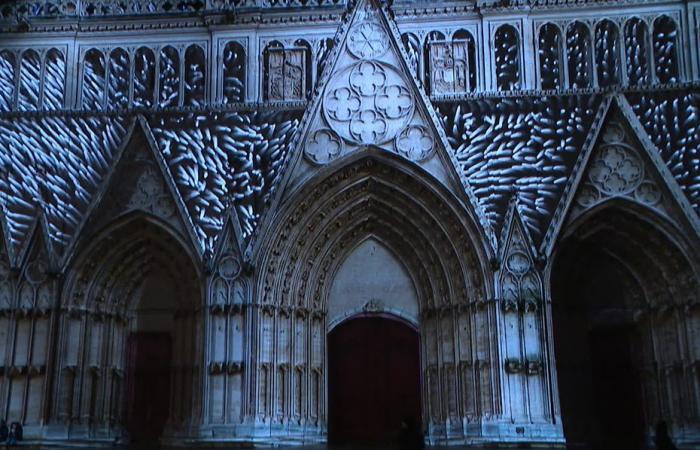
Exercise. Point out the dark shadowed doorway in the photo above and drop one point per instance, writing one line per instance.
(148, 386)
(373, 380)
(598, 339)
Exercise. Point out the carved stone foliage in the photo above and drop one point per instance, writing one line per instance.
(617, 169)
(367, 100)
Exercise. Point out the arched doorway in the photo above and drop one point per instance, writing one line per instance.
(128, 363)
(614, 277)
(373, 379)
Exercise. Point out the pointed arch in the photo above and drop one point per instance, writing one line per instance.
(507, 56)
(135, 275)
(30, 80)
(54, 84)
(376, 194)
(8, 77)
(195, 76)
(93, 83)
(169, 77)
(629, 276)
(119, 69)
(234, 68)
(144, 77)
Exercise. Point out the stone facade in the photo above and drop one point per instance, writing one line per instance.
(508, 177)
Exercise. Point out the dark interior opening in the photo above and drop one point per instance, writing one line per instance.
(373, 380)
(595, 340)
(148, 386)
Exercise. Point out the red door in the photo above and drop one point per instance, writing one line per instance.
(148, 385)
(374, 379)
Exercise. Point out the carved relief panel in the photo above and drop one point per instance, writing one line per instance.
(286, 71)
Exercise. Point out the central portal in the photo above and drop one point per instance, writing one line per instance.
(373, 380)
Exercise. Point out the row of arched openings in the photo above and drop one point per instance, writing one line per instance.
(120, 79)
(582, 56)
(32, 79)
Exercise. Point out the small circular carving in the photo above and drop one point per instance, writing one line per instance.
(588, 195)
(367, 78)
(518, 263)
(415, 143)
(323, 146)
(36, 271)
(229, 267)
(368, 41)
(648, 193)
(617, 171)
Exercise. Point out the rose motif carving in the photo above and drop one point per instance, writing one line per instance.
(368, 103)
(368, 41)
(415, 143)
(323, 147)
(617, 171)
(518, 263)
(369, 127)
(342, 104)
(394, 101)
(229, 267)
(367, 78)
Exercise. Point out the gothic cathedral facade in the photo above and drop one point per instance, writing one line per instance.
(200, 201)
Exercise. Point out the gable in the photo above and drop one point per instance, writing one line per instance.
(623, 165)
(368, 97)
(523, 148)
(53, 164)
(137, 184)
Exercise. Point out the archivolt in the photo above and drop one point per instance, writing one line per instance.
(118, 260)
(435, 237)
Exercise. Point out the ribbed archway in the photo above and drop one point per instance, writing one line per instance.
(436, 239)
(130, 344)
(625, 331)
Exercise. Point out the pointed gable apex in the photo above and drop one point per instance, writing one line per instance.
(368, 97)
(37, 242)
(229, 240)
(514, 230)
(139, 181)
(7, 250)
(622, 164)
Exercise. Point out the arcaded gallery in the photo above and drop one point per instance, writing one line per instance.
(299, 222)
